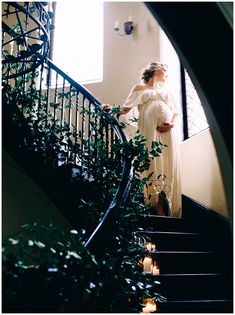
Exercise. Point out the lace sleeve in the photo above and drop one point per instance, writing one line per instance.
(132, 102)
(133, 99)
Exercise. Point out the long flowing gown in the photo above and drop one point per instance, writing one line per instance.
(153, 108)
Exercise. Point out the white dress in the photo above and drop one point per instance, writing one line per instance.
(154, 108)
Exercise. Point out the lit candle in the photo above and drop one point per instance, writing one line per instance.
(153, 307)
(147, 265)
(150, 307)
(130, 18)
(156, 270)
(145, 309)
(148, 246)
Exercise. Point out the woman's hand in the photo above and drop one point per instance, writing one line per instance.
(106, 106)
(165, 127)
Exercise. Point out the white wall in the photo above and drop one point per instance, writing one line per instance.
(125, 56)
(201, 176)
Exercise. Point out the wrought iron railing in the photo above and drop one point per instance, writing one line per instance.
(65, 123)
(25, 36)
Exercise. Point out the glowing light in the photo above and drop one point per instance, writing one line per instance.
(78, 42)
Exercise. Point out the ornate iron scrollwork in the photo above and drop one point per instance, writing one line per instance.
(25, 37)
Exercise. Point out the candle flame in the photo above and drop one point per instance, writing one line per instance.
(149, 306)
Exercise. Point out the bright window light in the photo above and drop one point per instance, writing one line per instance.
(195, 114)
(78, 40)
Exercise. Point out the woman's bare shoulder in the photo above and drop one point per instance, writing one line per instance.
(138, 87)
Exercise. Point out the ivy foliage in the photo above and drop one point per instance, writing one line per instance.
(47, 269)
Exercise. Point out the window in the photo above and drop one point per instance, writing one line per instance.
(180, 84)
(195, 114)
(170, 57)
(78, 40)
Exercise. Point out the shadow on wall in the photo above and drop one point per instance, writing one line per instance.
(23, 201)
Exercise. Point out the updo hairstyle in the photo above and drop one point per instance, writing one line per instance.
(148, 72)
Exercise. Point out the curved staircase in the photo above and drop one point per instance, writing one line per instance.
(57, 131)
(54, 127)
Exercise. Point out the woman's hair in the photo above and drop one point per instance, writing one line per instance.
(148, 72)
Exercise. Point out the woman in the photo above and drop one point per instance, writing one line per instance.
(156, 113)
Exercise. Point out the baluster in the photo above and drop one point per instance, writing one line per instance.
(116, 141)
(62, 103)
(107, 138)
(69, 120)
(55, 99)
(101, 128)
(96, 133)
(70, 107)
(33, 114)
(112, 142)
(24, 61)
(76, 124)
(62, 113)
(40, 87)
(48, 84)
(89, 136)
(83, 146)
(5, 66)
(24, 84)
(8, 71)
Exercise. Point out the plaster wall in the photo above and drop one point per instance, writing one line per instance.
(125, 56)
(201, 176)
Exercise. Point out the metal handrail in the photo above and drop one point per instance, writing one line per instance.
(126, 175)
(54, 101)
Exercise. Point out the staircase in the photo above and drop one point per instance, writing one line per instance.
(195, 264)
(195, 261)
(55, 128)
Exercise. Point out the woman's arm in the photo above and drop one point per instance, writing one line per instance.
(125, 109)
(167, 126)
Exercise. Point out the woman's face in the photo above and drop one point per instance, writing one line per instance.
(162, 74)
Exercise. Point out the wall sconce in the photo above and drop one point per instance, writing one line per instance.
(128, 27)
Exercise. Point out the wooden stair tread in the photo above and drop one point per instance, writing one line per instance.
(168, 232)
(200, 274)
(193, 265)
(182, 252)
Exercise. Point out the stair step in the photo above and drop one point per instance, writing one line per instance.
(190, 262)
(160, 223)
(195, 286)
(197, 306)
(179, 240)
